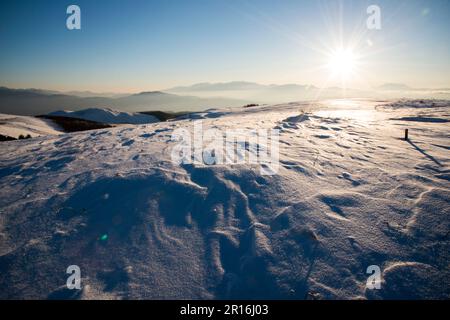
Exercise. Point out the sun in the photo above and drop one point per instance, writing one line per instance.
(342, 62)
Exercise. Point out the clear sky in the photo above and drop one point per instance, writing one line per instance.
(136, 45)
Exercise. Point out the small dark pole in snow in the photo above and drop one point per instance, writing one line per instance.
(406, 134)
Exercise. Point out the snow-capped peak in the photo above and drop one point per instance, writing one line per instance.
(106, 115)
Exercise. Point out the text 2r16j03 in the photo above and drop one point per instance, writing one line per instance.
(249, 310)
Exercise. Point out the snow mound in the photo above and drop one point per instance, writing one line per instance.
(105, 115)
(350, 193)
(14, 126)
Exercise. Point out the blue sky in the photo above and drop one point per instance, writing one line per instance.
(135, 45)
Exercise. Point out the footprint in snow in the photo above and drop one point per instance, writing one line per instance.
(126, 130)
(348, 176)
(162, 130)
(322, 136)
(128, 143)
(147, 135)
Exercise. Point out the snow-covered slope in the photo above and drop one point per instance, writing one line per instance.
(350, 193)
(105, 115)
(14, 126)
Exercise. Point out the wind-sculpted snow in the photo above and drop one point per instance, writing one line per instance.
(349, 193)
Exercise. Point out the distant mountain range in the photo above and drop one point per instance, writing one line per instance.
(34, 102)
(197, 97)
(395, 87)
(238, 86)
(274, 93)
(221, 86)
(249, 86)
(259, 93)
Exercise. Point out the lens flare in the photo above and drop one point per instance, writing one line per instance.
(342, 62)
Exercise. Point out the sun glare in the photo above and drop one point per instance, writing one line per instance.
(342, 62)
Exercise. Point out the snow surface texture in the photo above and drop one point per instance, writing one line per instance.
(14, 126)
(350, 193)
(105, 115)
